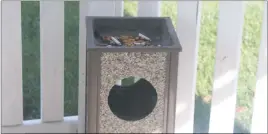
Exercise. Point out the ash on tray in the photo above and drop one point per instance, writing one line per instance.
(126, 40)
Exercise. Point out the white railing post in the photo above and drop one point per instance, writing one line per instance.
(1, 68)
(12, 106)
(188, 28)
(119, 8)
(90, 8)
(83, 7)
(52, 60)
(105, 8)
(149, 8)
(259, 117)
(229, 40)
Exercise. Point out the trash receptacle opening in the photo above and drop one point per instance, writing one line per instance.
(132, 98)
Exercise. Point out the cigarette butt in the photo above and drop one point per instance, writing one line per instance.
(144, 37)
(116, 41)
(139, 43)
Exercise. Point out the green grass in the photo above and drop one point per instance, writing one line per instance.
(206, 59)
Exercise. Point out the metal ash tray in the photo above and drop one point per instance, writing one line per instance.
(138, 33)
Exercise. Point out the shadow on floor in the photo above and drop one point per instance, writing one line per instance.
(202, 116)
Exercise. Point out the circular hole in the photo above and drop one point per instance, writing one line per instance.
(132, 98)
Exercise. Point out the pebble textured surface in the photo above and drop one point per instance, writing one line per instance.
(115, 66)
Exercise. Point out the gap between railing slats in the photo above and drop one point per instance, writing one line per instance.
(259, 118)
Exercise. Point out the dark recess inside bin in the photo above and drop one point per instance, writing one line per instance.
(133, 102)
(159, 29)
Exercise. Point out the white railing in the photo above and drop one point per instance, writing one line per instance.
(229, 36)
